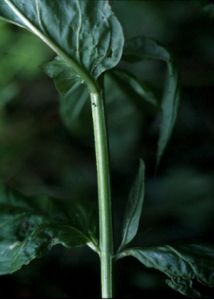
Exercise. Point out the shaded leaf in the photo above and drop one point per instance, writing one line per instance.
(182, 264)
(169, 108)
(134, 207)
(74, 93)
(141, 90)
(86, 32)
(145, 48)
(31, 226)
(124, 116)
(184, 287)
(142, 47)
(124, 120)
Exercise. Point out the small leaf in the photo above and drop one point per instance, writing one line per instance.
(169, 108)
(31, 226)
(145, 48)
(181, 264)
(74, 93)
(134, 207)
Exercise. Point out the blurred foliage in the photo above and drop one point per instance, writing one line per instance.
(38, 153)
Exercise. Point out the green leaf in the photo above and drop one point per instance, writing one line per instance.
(31, 226)
(140, 89)
(86, 34)
(72, 88)
(124, 116)
(141, 47)
(124, 120)
(145, 48)
(74, 93)
(169, 108)
(183, 265)
(134, 207)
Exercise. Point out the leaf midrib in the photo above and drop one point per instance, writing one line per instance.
(80, 70)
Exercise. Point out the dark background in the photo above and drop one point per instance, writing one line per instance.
(39, 154)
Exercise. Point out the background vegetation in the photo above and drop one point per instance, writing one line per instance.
(39, 152)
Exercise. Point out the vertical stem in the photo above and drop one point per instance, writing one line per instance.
(104, 193)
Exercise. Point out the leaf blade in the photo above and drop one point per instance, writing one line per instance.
(169, 109)
(71, 87)
(134, 207)
(31, 226)
(64, 27)
(181, 264)
(140, 89)
(140, 48)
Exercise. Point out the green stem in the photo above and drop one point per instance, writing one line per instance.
(102, 155)
(104, 193)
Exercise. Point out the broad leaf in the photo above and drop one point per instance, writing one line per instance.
(31, 226)
(145, 48)
(134, 207)
(84, 32)
(183, 265)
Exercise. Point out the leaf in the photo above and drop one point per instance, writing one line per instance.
(131, 82)
(85, 33)
(183, 265)
(145, 48)
(123, 114)
(142, 47)
(169, 107)
(71, 88)
(124, 121)
(31, 226)
(134, 207)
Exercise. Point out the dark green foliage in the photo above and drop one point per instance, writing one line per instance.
(65, 26)
(134, 207)
(74, 93)
(182, 264)
(145, 48)
(88, 41)
(32, 226)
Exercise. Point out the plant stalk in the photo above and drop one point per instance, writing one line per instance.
(104, 193)
(102, 154)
